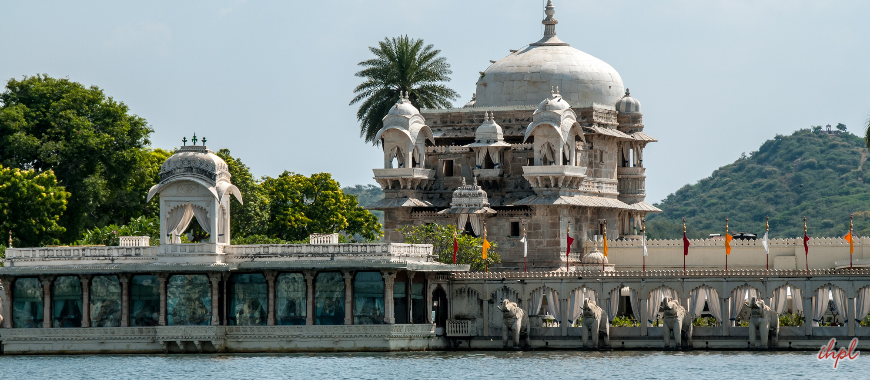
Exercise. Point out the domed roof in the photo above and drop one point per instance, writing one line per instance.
(628, 104)
(195, 160)
(403, 107)
(489, 133)
(554, 102)
(594, 257)
(526, 76)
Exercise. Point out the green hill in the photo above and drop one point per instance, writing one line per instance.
(810, 173)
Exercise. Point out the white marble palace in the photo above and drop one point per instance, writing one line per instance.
(551, 141)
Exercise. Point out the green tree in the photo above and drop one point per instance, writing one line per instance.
(250, 218)
(31, 204)
(109, 235)
(841, 127)
(92, 143)
(441, 237)
(401, 64)
(300, 206)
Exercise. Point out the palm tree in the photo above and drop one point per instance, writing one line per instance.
(400, 64)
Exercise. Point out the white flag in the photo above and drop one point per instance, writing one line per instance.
(525, 247)
(766, 243)
(643, 241)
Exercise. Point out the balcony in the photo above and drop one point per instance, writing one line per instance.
(560, 177)
(487, 174)
(459, 327)
(636, 171)
(405, 178)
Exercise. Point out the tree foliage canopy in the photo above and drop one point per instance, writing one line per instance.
(110, 235)
(31, 204)
(824, 177)
(401, 64)
(250, 218)
(441, 237)
(91, 142)
(300, 206)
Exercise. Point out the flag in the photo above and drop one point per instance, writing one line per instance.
(643, 241)
(525, 246)
(728, 239)
(455, 248)
(806, 246)
(848, 238)
(685, 245)
(485, 247)
(570, 241)
(605, 245)
(766, 243)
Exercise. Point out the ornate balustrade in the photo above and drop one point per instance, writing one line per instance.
(134, 241)
(456, 327)
(409, 252)
(76, 255)
(555, 176)
(404, 178)
(672, 274)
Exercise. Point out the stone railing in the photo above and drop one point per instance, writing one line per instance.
(204, 248)
(635, 171)
(377, 251)
(405, 172)
(447, 149)
(675, 273)
(76, 255)
(78, 334)
(456, 327)
(323, 239)
(134, 241)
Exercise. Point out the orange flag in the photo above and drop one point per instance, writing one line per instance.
(485, 247)
(728, 239)
(848, 238)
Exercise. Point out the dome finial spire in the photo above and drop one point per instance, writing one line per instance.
(549, 22)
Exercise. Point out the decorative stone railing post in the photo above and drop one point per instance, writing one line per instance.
(348, 297)
(162, 278)
(8, 284)
(270, 282)
(309, 298)
(46, 300)
(86, 299)
(124, 279)
(389, 308)
(215, 279)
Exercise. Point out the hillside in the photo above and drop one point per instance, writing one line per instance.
(821, 176)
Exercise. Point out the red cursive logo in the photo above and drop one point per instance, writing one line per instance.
(828, 352)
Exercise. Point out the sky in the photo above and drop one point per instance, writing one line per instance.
(271, 80)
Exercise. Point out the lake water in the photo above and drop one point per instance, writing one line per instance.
(438, 365)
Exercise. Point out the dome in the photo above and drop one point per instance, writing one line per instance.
(594, 257)
(195, 160)
(403, 107)
(554, 102)
(526, 76)
(489, 133)
(627, 104)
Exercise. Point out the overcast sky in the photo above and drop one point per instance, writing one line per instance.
(271, 80)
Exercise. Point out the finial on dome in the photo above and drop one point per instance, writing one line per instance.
(194, 139)
(463, 181)
(552, 91)
(557, 90)
(184, 140)
(549, 22)
(626, 92)
(475, 181)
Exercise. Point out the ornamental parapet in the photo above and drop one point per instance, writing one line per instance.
(78, 255)
(555, 176)
(309, 252)
(672, 274)
(404, 178)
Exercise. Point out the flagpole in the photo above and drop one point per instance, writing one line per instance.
(684, 253)
(643, 240)
(485, 263)
(568, 251)
(604, 260)
(525, 248)
(806, 249)
(766, 229)
(726, 243)
(851, 238)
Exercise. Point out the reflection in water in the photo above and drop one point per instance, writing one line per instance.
(66, 302)
(475, 365)
(248, 293)
(105, 301)
(188, 300)
(144, 301)
(329, 299)
(368, 298)
(290, 293)
(27, 303)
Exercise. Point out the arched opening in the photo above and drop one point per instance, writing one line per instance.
(547, 154)
(27, 307)
(248, 296)
(188, 300)
(739, 301)
(329, 299)
(66, 302)
(368, 298)
(290, 299)
(829, 306)
(576, 299)
(440, 307)
(400, 298)
(144, 301)
(704, 303)
(488, 162)
(105, 302)
(544, 302)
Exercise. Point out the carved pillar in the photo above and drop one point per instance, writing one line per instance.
(270, 281)
(427, 298)
(808, 314)
(215, 279)
(725, 309)
(226, 277)
(563, 307)
(162, 278)
(309, 298)
(8, 284)
(348, 297)
(86, 299)
(46, 300)
(389, 308)
(486, 296)
(850, 306)
(124, 279)
(410, 298)
(644, 306)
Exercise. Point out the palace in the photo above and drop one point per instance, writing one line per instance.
(552, 141)
(551, 147)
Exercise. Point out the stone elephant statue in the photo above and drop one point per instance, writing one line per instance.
(675, 319)
(763, 318)
(516, 322)
(595, 322)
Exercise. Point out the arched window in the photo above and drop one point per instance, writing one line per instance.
(105, 302)
(248, 296)
(368, 298)
(290, 299)
(27, 304)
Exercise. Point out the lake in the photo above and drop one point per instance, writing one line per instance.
(437, 365)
